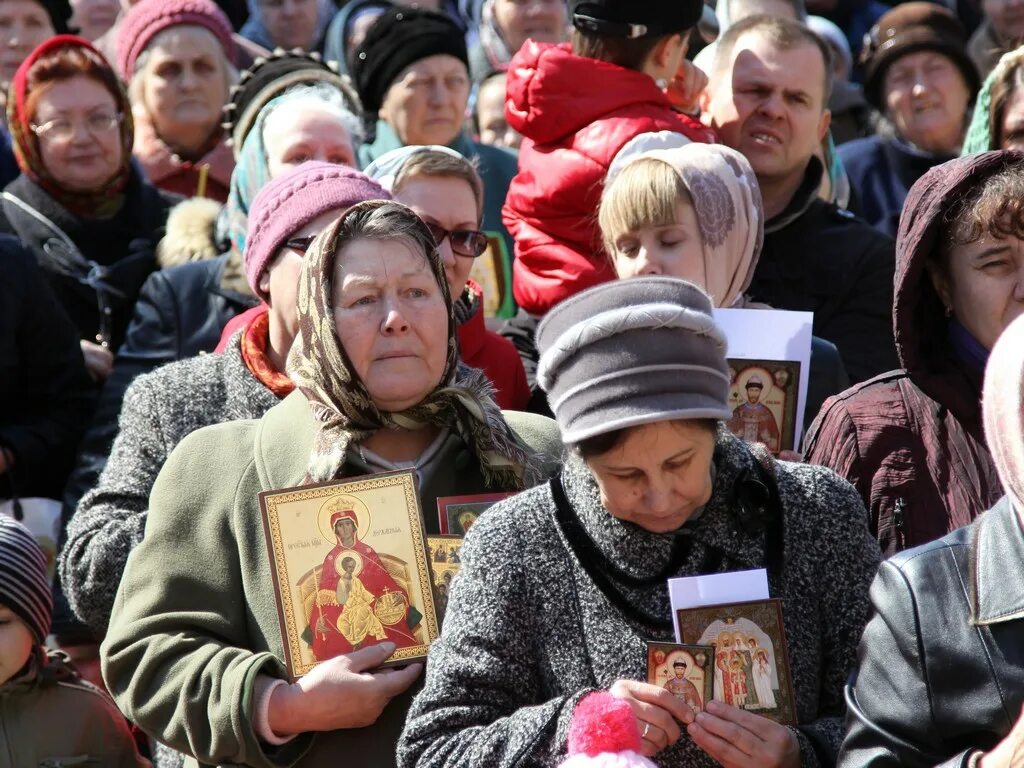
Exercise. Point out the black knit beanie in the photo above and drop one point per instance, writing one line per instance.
(399, 37)
(59, 12)
(635, 18)
(270, 77)
(24, 584)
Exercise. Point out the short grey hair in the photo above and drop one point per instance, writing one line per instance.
(320, 97)
(387, 220)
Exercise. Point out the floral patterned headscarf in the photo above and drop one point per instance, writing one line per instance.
(338, 399)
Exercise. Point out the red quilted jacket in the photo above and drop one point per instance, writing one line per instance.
(575, 114)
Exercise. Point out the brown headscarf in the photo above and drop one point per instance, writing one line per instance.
(338, 399)
(1003, 408)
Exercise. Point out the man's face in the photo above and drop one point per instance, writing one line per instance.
(1007, 17)
(768, 104)
(290, 23)
(753, 394)
(680, 670)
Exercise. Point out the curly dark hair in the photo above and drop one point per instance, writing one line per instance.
(994, 206)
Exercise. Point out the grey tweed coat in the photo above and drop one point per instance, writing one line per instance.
(160, 409)
(528, 632)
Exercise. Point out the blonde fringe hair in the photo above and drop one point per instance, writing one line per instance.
(644, 194)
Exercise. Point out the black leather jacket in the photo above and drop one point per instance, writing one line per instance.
(941, 663)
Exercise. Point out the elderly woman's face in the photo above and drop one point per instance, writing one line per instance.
(672, 250)
(295, 137)
(390, 316)
(983, 285)
(449, 202)
(658, 475)
(926, 99)
(427, 101)
(24, 24)
(290, 23)
(94, 17)
(185, 86)
(520, 20)
(79, 133)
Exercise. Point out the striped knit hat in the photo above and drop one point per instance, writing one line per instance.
(24, 586)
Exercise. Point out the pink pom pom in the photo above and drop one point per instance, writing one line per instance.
(602, 723)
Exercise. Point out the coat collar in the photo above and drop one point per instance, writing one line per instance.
(284, 440)
(996, 554)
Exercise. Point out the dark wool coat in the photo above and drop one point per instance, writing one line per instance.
(528, 630)
(822, 259)
(881, 172)
(124, 244)
(160, 410)
(45, 393)
(180, 313)
(911, 440)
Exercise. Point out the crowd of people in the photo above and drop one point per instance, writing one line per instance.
(253, 246)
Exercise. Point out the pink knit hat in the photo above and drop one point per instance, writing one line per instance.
(151, 17)
(603, 734)
(294, 199)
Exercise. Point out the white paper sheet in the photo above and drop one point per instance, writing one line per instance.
(716, 589)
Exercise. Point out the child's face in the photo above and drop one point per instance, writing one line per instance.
(16, 644)
(676, 250)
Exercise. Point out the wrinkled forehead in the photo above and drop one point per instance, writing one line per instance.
(185, 40)
(378, 261)
(756, 59)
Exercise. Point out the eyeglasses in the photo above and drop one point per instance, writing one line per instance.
(300, 244)
(63, 129)
(465, 242)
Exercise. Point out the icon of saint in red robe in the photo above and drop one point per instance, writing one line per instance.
(358, 602)
(752, 421)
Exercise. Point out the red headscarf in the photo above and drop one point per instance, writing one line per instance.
(98, 203)
(345, 514)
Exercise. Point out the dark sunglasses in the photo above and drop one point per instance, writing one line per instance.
(465, 242)
(300, 244)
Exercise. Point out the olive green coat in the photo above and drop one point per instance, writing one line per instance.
(195, 619)
(57, 720)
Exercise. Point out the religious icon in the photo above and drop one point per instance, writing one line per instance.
(685, 671)
(445, 554)
(456, 514)
(763, 396)
(751, 663)
(350, 569)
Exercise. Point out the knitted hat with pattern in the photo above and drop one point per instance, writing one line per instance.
(149, 18)
(24, 585)
(294, 199)
(399, 37)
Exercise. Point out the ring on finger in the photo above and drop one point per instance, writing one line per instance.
(647, 728)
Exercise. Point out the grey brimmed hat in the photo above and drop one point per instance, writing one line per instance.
(632, 352)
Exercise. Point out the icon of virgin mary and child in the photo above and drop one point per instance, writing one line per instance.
(358, 602)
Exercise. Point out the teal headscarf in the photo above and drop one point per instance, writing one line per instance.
(979, 132)
(251, 174)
